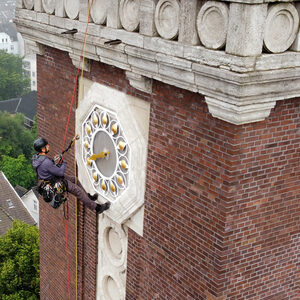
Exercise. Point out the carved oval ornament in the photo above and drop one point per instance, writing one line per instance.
(114, 241)
(99, 11)
(281, 27)
(111, 285)
(49, 6)
(167, 18)
(28, 4)
(72, 8)
(212, 24)
(129, 14)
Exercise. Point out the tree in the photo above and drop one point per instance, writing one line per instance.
(18, 171)
(13, 81)
(16, 150)
(19, 263)
(15, 138)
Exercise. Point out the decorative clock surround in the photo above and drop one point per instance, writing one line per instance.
(112, 151)
(105, 153)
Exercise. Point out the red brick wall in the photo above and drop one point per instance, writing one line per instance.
(221, 203)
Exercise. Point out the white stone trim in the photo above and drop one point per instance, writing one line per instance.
(239, 115)
(140, 82)
(79, 63)
(133, 115)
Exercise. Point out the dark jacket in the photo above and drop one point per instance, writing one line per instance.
(46, 169)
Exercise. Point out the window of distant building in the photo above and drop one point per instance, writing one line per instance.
(35, 205)
(10, 203)
(26, 64)
(33, 83)
(33, 74)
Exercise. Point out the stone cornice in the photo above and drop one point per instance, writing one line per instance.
(238, 89)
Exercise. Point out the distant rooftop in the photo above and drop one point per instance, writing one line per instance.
(9, 29)
(25, 105)
(11, 206)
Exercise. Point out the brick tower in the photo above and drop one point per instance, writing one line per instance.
(197, 103)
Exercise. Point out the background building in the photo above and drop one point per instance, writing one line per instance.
(198, 104)
(25, 105)
(29, 64)
(11, 206)
(10, 40)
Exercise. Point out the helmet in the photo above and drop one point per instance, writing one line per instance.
(39, 144)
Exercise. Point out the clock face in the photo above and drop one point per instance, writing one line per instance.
(105, 153)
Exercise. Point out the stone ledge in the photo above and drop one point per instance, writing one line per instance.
(238, 86)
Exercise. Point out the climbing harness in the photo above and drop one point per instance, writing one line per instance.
(54, 190)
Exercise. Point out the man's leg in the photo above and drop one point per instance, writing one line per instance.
(72, 179)
(80, 193)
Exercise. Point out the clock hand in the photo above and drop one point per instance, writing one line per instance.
(102, 154)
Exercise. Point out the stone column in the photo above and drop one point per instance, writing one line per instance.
(38, 5)
(147, 11)
(296, 45)
(246, 28)
(113, 14)
(187, 28)
(60, 9)
(84, 10)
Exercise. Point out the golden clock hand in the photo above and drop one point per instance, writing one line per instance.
(99, 155)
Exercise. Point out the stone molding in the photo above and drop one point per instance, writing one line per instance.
(112, 259)
(139, 82)
(229, 75)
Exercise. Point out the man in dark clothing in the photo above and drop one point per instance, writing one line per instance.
(47, 170)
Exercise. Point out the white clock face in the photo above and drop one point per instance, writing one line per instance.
(105, 153)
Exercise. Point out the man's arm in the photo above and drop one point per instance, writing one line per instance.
(54, 170)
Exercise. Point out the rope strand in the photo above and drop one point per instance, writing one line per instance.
(64, 141)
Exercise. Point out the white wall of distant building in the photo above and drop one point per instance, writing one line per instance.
(29, 65)
(7, 44)
(32, 204)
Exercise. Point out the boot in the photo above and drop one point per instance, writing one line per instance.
(93, 197)
(100, 208)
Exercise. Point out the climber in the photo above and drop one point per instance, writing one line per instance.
(48, 171)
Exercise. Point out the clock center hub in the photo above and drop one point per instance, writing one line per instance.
(104, 142)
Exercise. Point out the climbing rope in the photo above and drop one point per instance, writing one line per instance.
(75, 165)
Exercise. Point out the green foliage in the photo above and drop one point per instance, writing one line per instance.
(19, 263)
(13, 82)
(15, 138)
(18, 171)
(16, 150)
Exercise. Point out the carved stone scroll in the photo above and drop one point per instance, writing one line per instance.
(281, 27)
(129, 14)
(212, 24)
(167, 18)
(99, 11)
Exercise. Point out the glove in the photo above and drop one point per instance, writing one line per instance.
(58, 159)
